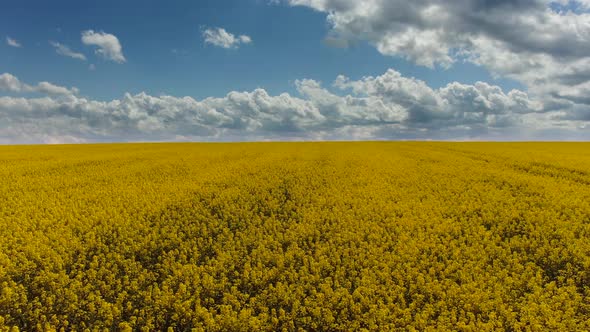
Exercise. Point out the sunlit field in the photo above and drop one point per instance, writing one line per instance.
(295, 237)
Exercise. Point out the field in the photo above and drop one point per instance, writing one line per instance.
(295, 237)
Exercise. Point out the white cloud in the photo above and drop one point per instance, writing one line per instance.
(55, 90)
(479, 105)
(12, 42)
(108, 45)
(221, 38)
(66, 51)
(10, 83)
(388, 106)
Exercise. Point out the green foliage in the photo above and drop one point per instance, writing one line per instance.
(295, 237)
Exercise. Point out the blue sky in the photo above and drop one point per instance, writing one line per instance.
(165, 52)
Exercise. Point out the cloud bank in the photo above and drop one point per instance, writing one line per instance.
(389, 106)
(542, 43)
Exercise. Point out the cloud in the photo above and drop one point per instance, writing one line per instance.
(55, 90)
(12, 42)
(389, 106)
(66, 51)
(455, 105)
(543, 44)
(108, 45)
(10, 83)
(221, 38)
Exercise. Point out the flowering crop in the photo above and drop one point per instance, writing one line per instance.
(372, 236)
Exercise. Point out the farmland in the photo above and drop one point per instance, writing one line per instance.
(374, 236)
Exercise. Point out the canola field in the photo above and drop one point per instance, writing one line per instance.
(376, 236)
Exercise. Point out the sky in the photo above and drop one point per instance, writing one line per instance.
(258, 70)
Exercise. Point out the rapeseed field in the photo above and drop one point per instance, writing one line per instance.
(375, 236)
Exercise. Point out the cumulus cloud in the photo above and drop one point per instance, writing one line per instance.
(455, 105)
(221, 38)
(12, 42)
(108, 45)
(541, 43)
(389, 106)
(66, 51)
